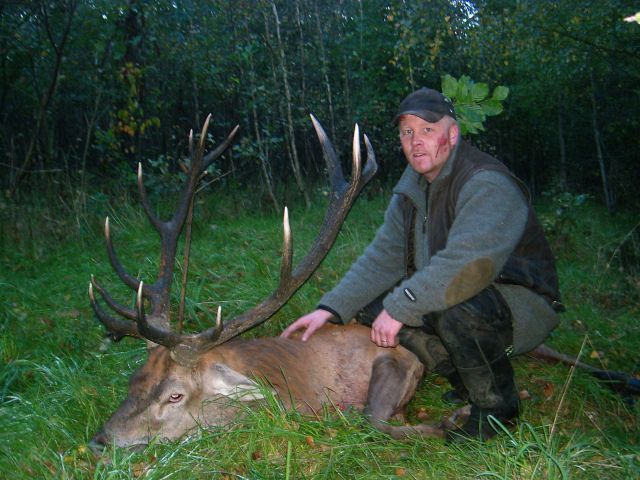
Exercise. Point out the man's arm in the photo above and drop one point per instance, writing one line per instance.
(377, 270)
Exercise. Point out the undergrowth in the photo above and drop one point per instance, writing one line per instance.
(60, 379)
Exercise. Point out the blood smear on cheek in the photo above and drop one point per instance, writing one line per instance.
(442, 141)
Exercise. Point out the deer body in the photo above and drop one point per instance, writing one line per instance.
(334, 367)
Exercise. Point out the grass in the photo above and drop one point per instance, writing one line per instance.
(59, 380)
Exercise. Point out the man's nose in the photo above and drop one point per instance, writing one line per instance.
(416, 139)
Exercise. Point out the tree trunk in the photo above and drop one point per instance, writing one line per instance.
(48, 95)
(195, 91)
(295, 163)
(562, 168)
(263, 153)
(325, 72)
(303, 99)
(606, 187)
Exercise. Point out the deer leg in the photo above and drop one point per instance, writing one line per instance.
(393, 384)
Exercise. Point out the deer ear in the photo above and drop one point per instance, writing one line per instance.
(223, 380)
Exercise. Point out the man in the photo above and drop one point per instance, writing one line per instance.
(460, 271)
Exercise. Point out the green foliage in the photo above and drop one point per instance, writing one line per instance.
(472, 101)
(563, 208)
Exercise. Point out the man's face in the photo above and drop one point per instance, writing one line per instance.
(427, 146)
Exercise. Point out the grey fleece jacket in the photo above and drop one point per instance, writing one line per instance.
(490, 217)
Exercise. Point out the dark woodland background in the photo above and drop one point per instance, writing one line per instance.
(91, 88)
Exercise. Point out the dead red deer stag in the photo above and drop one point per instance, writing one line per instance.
(202, 379)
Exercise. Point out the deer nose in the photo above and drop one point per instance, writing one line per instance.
(98, 442)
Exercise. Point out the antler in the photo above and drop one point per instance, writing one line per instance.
(185, 348)
(156, 328)
(342, 196)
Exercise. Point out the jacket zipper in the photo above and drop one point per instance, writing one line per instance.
(426, 210)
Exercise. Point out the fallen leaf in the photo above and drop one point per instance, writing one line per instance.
(548, 389)
(596, 355)
(51, 468)
(310, 441)
(524, 395)
(139, 469)
(422, 414)
(440, 381)
(401, 472)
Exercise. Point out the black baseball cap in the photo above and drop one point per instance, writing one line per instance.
(426, 103)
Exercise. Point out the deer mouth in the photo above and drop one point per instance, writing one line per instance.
(101, 441)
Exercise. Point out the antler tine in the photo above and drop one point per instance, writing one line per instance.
(203, 138)
(197, 166)
(341, 198)
(163, 337)
(287, 248)
(117, 328)
(126, 277)
(356, 157)
(330, 157)
(142, 191)
(371, 167)
(113, 304)
(219, 150)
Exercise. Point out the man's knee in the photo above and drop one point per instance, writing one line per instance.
(484, 314)
(428, 348)
(480, 327)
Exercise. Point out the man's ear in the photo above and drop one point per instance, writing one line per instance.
(454, 133)
(223, 380)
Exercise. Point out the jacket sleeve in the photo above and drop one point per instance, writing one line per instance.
(377, 270)
(490, 217)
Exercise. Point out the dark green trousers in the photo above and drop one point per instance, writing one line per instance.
(477, 331)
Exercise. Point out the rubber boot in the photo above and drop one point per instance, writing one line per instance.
(500, 401)
(476, 334)
(459, 394)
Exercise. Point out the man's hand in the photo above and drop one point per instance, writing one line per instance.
(310, 323)
(384, 331)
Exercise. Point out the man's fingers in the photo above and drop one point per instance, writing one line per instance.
(308, 332)
(290, 329)
(379, 338)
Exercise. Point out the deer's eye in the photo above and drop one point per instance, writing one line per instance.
(175, 397)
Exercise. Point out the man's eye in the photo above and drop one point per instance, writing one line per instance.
(405, 132)
(427, 130)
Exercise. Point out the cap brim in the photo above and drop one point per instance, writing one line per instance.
(426, 115)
